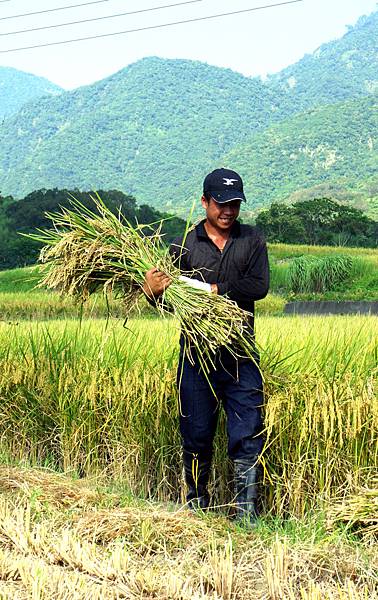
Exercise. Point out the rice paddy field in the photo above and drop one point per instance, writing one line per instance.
(92, 496)
(91, 483)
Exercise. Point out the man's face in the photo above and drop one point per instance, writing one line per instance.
(221, 216)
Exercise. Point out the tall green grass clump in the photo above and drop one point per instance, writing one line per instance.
(319, 274)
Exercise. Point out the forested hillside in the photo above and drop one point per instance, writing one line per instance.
(332, 145)
(146, 130)
(339, 70)
(17, 88)
(155, 128)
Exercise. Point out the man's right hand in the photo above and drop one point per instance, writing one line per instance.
(155, 282)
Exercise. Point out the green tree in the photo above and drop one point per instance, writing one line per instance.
(280, 224)
(328, 222)
(320, 221)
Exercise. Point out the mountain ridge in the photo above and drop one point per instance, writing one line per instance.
(154, 128)
(125, 122)
(18, 88)
(354, 72)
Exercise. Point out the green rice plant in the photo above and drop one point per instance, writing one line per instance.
(279, 271)
(314, 274)
(87, 251)
(299, 273)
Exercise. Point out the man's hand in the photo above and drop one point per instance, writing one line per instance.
(155, 283)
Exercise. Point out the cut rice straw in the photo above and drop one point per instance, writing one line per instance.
(358, 510)
(87, 251)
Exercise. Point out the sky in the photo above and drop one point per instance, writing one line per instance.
(253, 43)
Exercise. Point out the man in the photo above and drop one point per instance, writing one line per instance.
(231, 259)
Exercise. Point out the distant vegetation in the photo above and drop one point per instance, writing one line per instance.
(335, 146)
(321, 221)
(147, 130)
(18, 88)
(316, 222)
(363, 197)
(155, 128)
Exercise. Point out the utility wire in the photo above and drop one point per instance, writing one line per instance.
(103, 35)
(133, 12)
(40, 12)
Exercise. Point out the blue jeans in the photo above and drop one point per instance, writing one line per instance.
(240, 391)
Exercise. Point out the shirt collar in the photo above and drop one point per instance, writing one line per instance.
(202, 233)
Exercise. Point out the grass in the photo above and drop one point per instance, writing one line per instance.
(287, 251)
(61, 538)
(99, 397)
(319, 274)
(361, 283)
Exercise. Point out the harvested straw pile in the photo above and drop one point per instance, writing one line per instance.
(90, 251)
(147, 552)
(50, 487)
(158, 527)
(359, 510)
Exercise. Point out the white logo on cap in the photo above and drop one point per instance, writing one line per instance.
(229, 181)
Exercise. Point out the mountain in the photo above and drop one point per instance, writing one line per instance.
(328, 148)
(17, 88)
(340, 70)
(147, 130)
(155, 128)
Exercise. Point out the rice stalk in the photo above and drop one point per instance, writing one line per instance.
(358, 510)
(86, 252)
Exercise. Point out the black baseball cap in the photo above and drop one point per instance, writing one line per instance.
(224, 185)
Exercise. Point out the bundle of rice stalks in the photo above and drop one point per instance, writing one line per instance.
(359, 510)
(87, 251)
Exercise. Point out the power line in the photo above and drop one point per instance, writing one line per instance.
(103, 35)
(133, 12)
(40, 12)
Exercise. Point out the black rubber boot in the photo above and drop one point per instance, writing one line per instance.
(197, 472)
(245, 488)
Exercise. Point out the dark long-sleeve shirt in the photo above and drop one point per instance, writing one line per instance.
(240, 270)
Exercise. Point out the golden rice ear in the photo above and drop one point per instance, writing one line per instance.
(90, 251)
